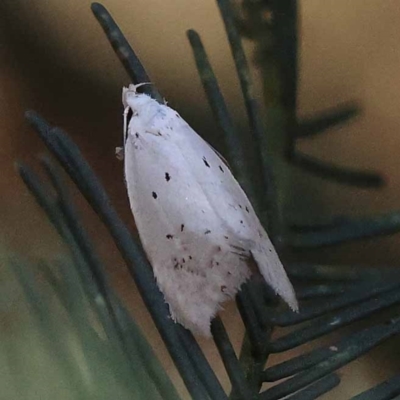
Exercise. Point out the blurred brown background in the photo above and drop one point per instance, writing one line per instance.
(55, 59)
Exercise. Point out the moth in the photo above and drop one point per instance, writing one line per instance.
(195, 222)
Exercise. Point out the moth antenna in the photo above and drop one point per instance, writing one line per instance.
(133, 87)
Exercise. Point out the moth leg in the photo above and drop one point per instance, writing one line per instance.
(119, 153)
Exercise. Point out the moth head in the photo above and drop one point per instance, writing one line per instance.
(130, 95)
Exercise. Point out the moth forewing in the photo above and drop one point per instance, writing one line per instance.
(195, 222)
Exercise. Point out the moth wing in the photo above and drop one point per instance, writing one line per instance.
(274, 274)
(233, 206)
(193, 262)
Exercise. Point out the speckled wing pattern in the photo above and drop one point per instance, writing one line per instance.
(196, 224)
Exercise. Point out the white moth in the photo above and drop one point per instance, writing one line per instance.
(196, 224)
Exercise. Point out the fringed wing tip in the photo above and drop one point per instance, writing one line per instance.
(293, 303)
(274, 274)
(198, 324)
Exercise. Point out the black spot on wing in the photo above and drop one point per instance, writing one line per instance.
(177, 266)
(182, 227)
(206, 162)
(169, 236)
(154, 194)
(167, 177)
(207, 232)
(221, 169)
